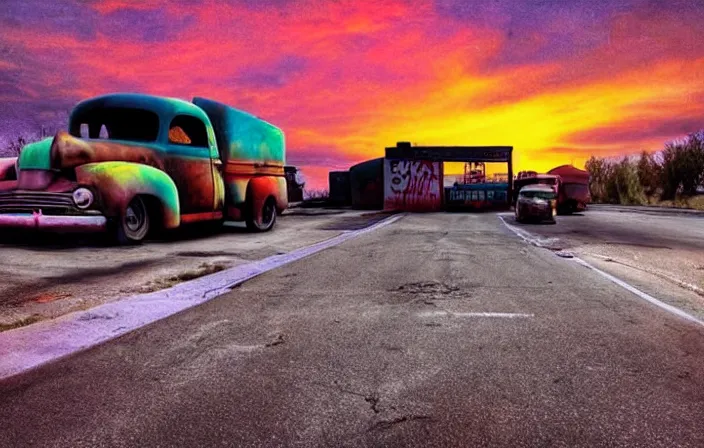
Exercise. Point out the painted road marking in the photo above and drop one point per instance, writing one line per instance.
(647, 297)
(678, 282)
(528, 237)
(28, 347)
(451, 314)
(641, 294)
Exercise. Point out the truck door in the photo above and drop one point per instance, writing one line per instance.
(188, 162)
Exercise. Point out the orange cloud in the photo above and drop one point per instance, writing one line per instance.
(346, 79)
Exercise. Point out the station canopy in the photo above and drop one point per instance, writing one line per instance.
(450, 153)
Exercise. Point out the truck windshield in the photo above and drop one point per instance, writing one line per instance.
(538, 195)
(116, 124)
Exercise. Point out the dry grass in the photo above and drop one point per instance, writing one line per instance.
(202, 270)
(695, 202)
(20, 323)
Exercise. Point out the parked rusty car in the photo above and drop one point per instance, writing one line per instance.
(536, 202)
(133, 163)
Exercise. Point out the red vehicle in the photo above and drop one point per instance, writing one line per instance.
(571, 185)
(573, 192)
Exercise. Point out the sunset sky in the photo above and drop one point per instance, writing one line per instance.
(559, 80)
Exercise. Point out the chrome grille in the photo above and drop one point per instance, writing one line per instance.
(27, 202)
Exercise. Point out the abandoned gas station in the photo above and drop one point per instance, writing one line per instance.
(412, 178)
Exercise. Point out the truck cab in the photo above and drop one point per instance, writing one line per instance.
(133, 163)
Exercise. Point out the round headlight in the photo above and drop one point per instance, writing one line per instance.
(83, 198)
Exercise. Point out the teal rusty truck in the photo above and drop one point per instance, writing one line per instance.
(131, 163)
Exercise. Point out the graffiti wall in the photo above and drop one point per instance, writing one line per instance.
(412, 185)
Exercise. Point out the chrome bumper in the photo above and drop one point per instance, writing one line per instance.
(67, 223)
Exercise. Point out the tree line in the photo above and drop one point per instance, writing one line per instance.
(677, 171)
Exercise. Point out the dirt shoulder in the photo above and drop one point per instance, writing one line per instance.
(45, 276)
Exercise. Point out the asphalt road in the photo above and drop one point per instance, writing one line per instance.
(659, 251)
(44, 276)
(381, 341)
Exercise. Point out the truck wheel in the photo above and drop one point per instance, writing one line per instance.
(133, 225)
(268, 217)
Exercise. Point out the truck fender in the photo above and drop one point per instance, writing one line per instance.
(118, 182)
(260, 188)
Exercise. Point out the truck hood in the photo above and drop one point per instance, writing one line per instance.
(69, 152)
(47, 164)
(65, 151)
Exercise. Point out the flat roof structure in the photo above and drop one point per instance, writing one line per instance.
(404, 150)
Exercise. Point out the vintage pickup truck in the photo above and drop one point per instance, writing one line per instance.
(131, 163)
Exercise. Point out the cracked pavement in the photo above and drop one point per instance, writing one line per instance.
(381, 341)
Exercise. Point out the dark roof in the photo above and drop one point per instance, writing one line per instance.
(568, 170)
(160, 105)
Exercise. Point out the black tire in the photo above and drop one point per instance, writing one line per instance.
(133, 224)
(268, 220)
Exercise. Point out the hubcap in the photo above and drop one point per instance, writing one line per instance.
(135, 222)
(268, 213)
(134, 219)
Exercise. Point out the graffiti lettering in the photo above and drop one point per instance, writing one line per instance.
(400, 175)
(413, 184)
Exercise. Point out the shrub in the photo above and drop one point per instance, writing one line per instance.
(626, 182)
(683, 166)
(614, 183)
(598, 174)
(649, 173)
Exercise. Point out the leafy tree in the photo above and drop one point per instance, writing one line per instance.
(625, 179)
(615, 183)
(598, 173)
(683, 166)
(648, 173)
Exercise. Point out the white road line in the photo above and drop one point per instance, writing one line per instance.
(28, 347)
(528, 237)
(621, 283)
(451, 314)
(678, 282)
(641, 294)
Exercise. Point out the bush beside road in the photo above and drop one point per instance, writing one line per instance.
(671, 177)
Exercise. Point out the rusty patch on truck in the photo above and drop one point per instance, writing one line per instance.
(68, 151)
